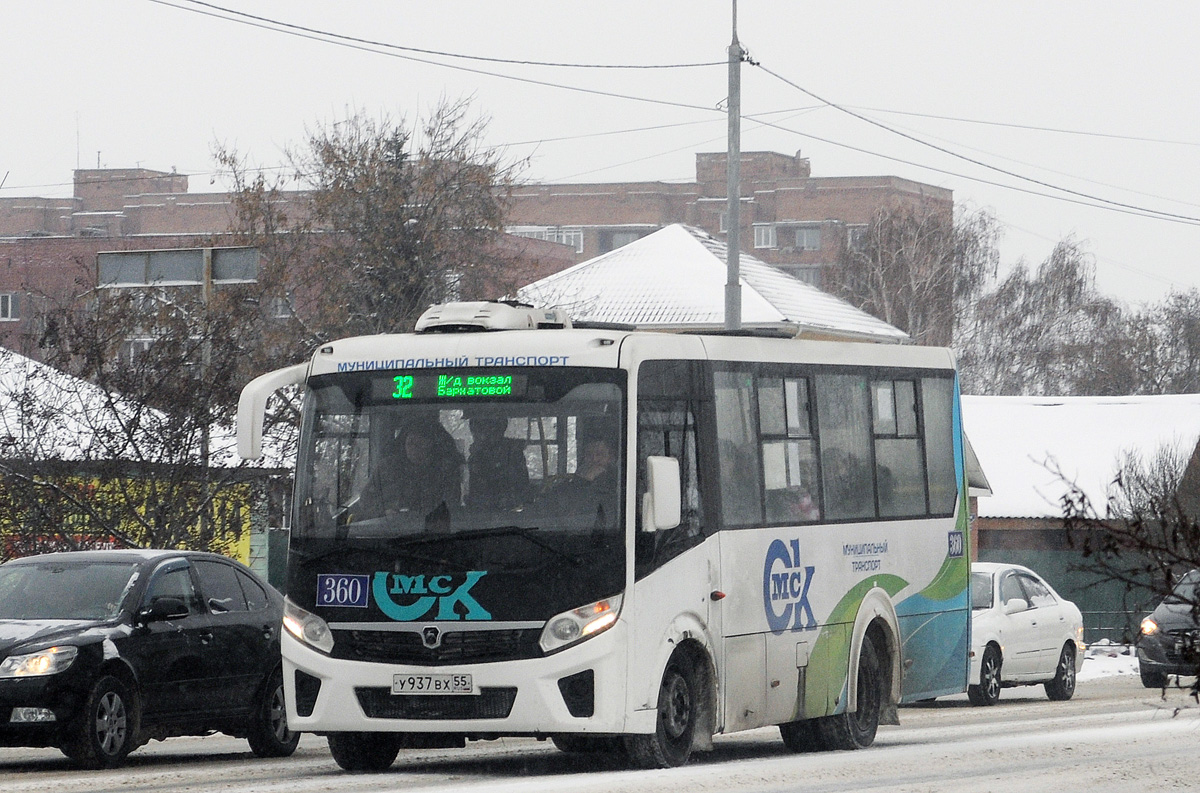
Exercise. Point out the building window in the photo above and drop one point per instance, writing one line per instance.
(10, 306)
(133, 348)
(564, 235)
(808, 273)
(623, 238)
(855, 236)
(281, 307)
(808, 238)
(764, 235)
(723, 223)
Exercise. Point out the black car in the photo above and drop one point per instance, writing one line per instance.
(1170, 639)
(102, 651)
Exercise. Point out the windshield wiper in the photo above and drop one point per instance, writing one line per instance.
(526, 532)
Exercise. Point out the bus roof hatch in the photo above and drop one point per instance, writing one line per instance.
(479, 316)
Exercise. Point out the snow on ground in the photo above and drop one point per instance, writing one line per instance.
(1104, 659)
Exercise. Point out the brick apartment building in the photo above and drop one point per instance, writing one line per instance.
(789, 218)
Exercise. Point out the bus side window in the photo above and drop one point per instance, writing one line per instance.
(737, 448)
(844, 427)
(789, 454)
(937, 397)
(667, 426)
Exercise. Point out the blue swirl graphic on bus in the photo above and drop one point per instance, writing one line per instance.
(785, 588)
(439, 592)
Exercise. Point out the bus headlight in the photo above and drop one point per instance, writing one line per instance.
(50, 661)
(307, 627)
(563, 630)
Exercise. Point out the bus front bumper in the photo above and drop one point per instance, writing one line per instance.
(580, 689)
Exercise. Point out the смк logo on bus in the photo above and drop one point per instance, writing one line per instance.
(785, 588)
(412, 597)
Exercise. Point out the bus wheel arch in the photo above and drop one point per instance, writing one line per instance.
(685, 697)
(877, 621)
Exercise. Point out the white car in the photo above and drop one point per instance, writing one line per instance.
(1022, 633)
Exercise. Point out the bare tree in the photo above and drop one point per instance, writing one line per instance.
(1049, 332)
(124, 435)
(918, 269)
(1146, 536)
(391, 219)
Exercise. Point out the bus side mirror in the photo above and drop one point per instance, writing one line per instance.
(661, 508)
(252, 407)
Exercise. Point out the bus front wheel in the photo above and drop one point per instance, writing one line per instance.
(679, 703)
(364, 751)
(857, 730)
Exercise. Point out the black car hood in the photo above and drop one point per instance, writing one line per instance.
(16, 633)
(1173, 616)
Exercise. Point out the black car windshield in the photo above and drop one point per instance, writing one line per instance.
(58, 590)
(1188, 588)
(981, 590)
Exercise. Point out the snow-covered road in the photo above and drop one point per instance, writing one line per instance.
(1113, 736)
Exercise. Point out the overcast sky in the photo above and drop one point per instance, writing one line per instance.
(1093, 102)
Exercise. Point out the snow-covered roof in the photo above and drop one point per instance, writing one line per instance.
(46, 414)
(676, 277)
(1022, 441)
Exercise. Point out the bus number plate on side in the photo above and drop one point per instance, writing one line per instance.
(432, 684)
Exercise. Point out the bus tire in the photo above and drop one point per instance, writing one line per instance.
(857, 730)
(680, 701)
(587, 744)
(801, 736)
(360, 752)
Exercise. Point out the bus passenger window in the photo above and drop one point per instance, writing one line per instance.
(737, 449)
(844, 427)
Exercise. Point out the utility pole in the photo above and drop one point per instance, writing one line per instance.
(733, 176)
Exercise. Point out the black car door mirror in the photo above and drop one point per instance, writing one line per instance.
(164, 608)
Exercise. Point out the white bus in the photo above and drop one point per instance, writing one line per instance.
(617, 539)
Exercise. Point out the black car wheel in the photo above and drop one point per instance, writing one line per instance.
(364, 751)
(679, 699)
(1152, 678)
(269, 735)
(1062, 687)
(988, 690)
(104, 732)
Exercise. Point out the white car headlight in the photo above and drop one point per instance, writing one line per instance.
(1149, 627)
(307, 627)
(50, 661)
(563, 630)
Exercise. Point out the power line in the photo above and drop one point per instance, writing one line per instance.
(288, 26)
(414, 59)
(1031, 127)
(1183, 220)
(1118, 204)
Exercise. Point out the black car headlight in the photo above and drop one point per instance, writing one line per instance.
(307, 627)
(563, 630)
(50, 661)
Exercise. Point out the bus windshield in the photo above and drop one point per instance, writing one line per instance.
(504, 470)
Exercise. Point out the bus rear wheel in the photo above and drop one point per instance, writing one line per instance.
(857, 730)
(679, 703)
(364, 751)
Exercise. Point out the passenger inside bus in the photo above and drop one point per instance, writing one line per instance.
(498, 477)
(420, 471)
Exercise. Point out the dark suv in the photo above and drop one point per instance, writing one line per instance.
(102, 651)
(1170, 639)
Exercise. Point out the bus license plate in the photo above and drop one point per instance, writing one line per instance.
(432, 684)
